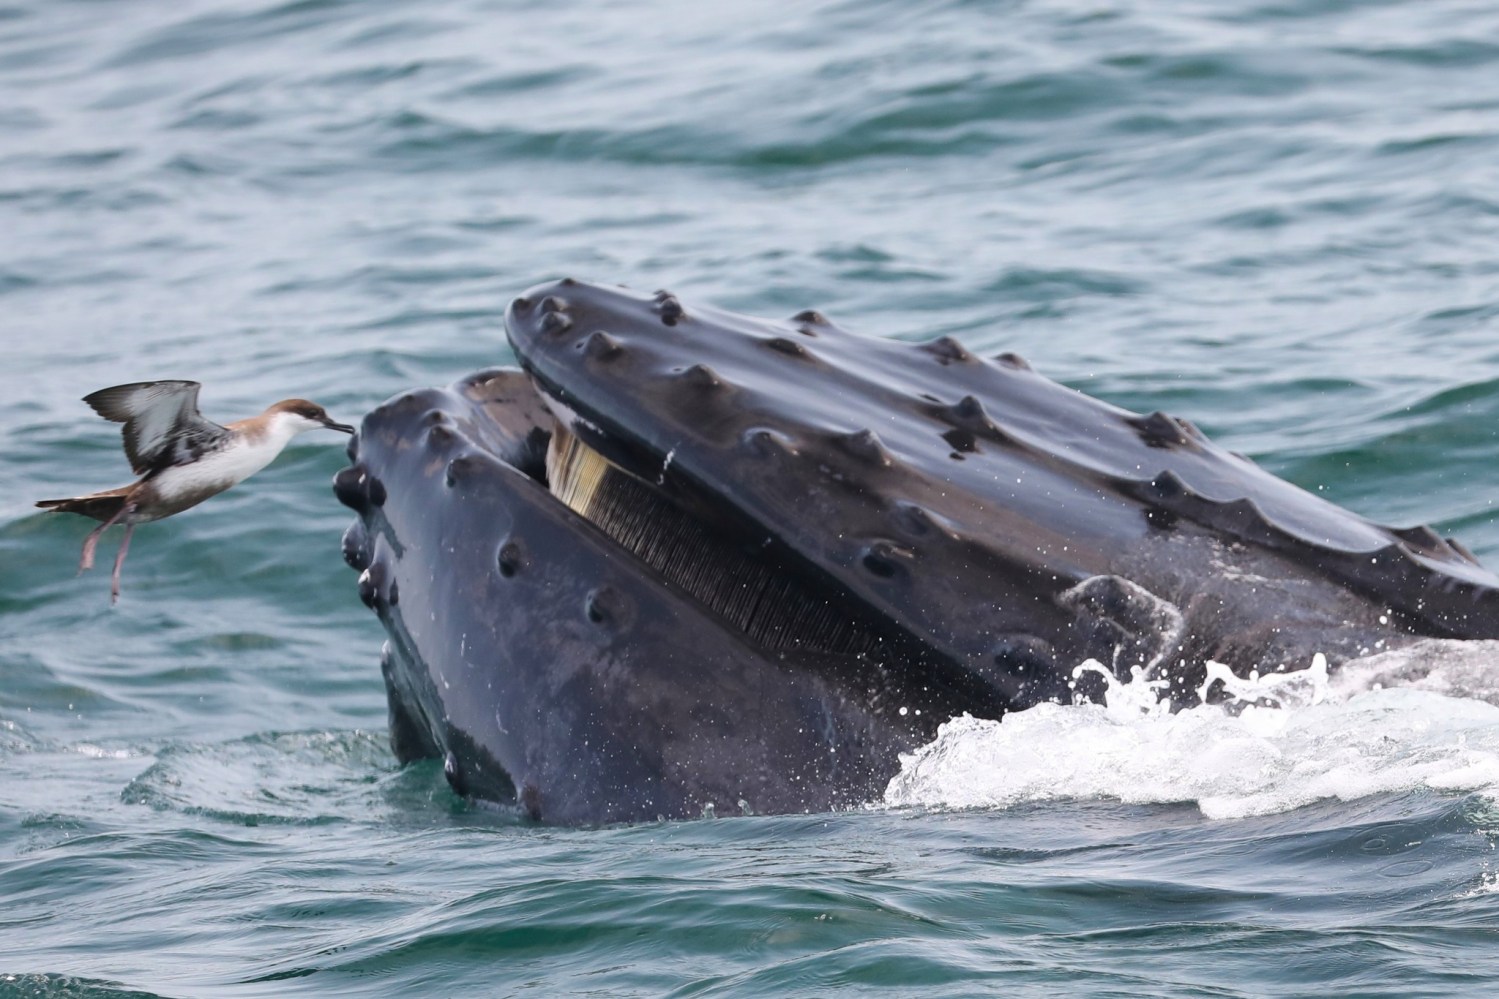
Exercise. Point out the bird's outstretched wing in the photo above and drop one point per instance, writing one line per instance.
(162, 424)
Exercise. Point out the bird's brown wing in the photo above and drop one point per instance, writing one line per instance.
(162, 424)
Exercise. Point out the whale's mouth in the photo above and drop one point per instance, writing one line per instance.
(779, 600)
(692, 542)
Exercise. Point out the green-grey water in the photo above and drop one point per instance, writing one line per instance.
(1276, 219)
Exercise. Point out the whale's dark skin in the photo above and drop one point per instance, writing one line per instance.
(978, 530)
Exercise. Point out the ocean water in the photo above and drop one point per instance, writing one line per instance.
(1275, 218)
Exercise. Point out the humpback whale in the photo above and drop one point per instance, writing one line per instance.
(683, 560)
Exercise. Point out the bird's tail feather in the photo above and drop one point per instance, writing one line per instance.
(100, 506)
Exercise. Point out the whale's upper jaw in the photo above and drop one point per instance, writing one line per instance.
(965, 499)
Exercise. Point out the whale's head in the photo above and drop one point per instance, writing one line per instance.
(687, 557)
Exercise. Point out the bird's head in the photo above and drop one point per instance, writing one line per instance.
(299, 416)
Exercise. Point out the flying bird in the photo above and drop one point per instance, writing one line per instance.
(181, 457)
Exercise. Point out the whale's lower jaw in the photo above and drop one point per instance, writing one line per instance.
(690, 559)
(550, 668)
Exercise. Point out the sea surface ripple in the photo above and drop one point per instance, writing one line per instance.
(1275, 218)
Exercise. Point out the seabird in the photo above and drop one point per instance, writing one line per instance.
(181, 458)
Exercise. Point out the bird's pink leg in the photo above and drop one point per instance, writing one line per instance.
(114, 580)
(92, 541)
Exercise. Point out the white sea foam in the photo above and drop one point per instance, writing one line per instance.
(1320, 738)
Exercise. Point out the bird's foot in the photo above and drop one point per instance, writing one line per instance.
(114, 577)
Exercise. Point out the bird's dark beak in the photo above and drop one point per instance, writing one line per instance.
(341, 427)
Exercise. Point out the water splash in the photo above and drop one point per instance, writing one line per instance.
(1275, 743)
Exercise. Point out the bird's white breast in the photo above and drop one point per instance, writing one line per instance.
(214, 471)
